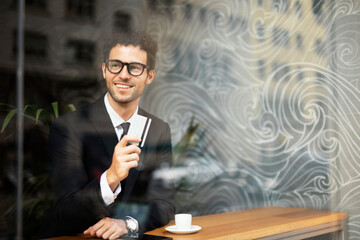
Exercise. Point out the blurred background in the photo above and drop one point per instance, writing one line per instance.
(262, 97)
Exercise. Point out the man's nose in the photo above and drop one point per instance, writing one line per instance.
(124, 73)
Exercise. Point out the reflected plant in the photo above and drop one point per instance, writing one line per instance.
(40, 116)
(37, 196)
(189, 141)
(184, 188)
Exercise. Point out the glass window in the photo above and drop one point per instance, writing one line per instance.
(275, 67)
(260, 28)
(280, 5)
(260, 2)
(280, 37)
(168, 5)
(227, 67)
(122, 20)
(202, 14)
(261, 68)
(317, 6)
(299, 42)
(36, 4)
(188, 10)
(80, 51)
(80, 8)
(161, 6)
(298, 9)
(281, 71)
(35, 44)
(320, 77)
(32, 4)
(319, 49)
(153, 4)
(300, 74)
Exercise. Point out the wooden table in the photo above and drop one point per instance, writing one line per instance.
(265, 223)
(260, 223)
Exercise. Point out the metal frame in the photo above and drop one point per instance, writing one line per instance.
(20, 118)
(339, 227)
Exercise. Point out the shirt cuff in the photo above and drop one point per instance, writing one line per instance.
(106, 193)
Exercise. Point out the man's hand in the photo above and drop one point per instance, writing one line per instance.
(107, 228)
(125, 157)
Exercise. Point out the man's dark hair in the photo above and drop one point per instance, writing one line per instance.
(134, 38)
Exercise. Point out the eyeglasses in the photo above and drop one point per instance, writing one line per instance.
(133, 68)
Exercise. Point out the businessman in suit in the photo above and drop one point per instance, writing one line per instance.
(104, 179)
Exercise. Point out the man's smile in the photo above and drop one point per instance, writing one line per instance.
(122, 86)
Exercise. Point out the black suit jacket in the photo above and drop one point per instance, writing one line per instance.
(81, 146)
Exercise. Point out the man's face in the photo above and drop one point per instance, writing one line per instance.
(123, 87)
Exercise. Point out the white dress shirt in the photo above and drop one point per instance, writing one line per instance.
(106, 193)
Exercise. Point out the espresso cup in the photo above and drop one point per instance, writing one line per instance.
(183, 221)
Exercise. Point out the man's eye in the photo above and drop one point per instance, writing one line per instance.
(135, 67)
(114, 65)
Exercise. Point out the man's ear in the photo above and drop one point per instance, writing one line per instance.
(150, 76)
(103, 69)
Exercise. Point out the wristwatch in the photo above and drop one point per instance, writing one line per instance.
(132, 224)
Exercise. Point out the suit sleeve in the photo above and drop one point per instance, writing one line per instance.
(78, 202)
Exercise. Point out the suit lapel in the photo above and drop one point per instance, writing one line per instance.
(103, 126)
(143, 113)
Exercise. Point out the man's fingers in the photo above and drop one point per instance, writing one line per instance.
(116, 234)
(127, 150)
(98, 229)
(132, 149)
(131, 157)
(133, 164)
(129, 139)
(111, 233)
(87, 231)
(98, 225)
(107, 228)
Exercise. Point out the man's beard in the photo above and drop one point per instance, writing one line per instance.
(123, 100)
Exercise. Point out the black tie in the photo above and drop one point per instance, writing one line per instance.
(125, 126)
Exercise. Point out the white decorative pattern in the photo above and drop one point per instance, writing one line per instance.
(290, 138)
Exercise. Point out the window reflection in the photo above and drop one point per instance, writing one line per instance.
(79, 51)
(273, 77)
(83, 9)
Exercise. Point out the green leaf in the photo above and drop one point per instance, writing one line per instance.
(38, 112)
(71, 107)
(55, 106)
(26, 107)
(29, 109)
(8, 117)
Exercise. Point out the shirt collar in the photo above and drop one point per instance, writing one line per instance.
(116, 120)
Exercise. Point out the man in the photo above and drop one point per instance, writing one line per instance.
(103, 181)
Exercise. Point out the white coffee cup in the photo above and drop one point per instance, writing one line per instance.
(183, 221)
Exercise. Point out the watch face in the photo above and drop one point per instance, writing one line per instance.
(131, 225)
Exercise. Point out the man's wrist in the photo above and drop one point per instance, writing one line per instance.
(113, 184)
(107, 194)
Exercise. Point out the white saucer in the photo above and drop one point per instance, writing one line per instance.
(173, 229)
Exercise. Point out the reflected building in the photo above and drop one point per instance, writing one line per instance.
(63, 55)
(63, 47)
